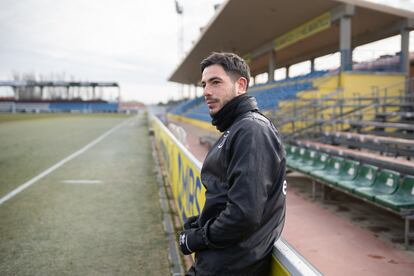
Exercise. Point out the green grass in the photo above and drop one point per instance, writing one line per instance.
(10, 117)
(28, 147)
(54, 228)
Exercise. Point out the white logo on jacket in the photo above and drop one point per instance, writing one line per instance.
(224, 139)
(284, 187)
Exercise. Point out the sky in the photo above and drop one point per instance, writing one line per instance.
(132, 42)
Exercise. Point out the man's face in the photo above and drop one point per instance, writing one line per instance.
(218, 87)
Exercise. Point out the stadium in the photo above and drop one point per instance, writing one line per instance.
(93, 185)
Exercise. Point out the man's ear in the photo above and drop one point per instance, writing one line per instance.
(241, 85)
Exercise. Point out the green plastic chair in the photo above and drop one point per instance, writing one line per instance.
(299, 153)
(365, 177)
(291, 152)
(307, 158)
(403, 198)
(348, 171)
(311, 157)
(296, 156)
(331, 171)
(318, 164)
(287, 149)
(386, 183)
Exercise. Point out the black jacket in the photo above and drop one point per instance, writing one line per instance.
(244, 212)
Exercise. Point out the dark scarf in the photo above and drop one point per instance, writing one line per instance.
(225, 117)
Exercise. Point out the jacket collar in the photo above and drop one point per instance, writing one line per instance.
(226, 116)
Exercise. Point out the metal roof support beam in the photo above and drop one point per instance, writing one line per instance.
(405, 45)
(16, 95)
(404, 56)
(195, 91)
(312, 65)
(41, 91)
(93, 92)
(345, 10)
(345, 44)
(271, 63)
(345, 37)
(189, 91)
(265, 48)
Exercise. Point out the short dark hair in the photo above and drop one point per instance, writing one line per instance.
(230, 62)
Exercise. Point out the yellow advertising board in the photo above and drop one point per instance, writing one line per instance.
(183, 172)
(303, 31)
(247, 58)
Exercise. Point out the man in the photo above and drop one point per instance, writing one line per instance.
(244, 177)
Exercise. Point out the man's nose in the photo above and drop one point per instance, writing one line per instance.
(206, 91)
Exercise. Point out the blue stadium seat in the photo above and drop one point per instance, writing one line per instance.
(267, 96)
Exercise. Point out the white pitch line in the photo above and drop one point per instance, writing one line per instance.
(59, 164)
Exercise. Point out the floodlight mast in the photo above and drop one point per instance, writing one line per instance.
(180, 12)
(180, 41)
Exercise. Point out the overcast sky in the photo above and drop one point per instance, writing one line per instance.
(133, 42)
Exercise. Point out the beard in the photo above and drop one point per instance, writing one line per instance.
(222, 102)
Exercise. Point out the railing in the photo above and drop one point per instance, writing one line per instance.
(299, 109)
(311, 108)
(334, 113)
(183, 174)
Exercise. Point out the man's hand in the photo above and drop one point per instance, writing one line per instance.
(191, 240)
(191, 222)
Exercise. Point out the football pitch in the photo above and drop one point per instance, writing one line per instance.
(78, 196)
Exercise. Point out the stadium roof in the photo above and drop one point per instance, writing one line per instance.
(246, 27)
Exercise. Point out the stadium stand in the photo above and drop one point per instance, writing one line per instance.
(69, 106)
(185, 106)
(83, 107)
(386, 63)
(26, 100)
(374, 111)
(7, 107)
(358, 145)
(357, 139)
(199, 112)
(31, 107)
(267, 95)
(382, 144)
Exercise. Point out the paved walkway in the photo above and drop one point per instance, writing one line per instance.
(193, 139)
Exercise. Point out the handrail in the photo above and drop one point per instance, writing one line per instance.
(321, 81)
(304, 109)
(348, 107)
